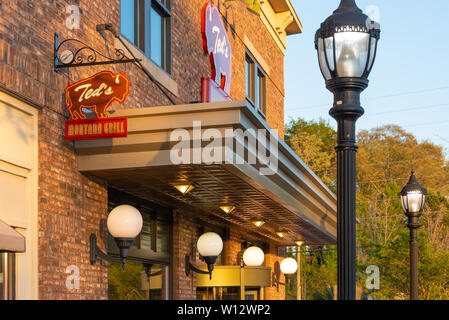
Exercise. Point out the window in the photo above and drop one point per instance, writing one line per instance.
(255, 85)
(139, 281)
(147, 274)
(147, 24)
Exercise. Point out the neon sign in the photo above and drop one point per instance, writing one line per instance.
(217, 45)
(96, 93)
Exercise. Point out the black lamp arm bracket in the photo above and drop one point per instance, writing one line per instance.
(96, 253)
(147, 268)
(276, 281)
(276, 276)
(154, 274)
(190, 267)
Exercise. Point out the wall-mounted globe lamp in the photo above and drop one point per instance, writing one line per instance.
(288, 267)
(253, 257)
(210, 246)
(124, 224)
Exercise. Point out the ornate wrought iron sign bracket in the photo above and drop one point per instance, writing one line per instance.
(72, 53)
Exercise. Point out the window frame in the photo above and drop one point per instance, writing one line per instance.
(142, 31)
(255, 84)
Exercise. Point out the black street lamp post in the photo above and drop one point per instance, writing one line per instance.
(347, 46)
(413, 198)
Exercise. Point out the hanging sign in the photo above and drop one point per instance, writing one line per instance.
(96, 94)
(217, 45)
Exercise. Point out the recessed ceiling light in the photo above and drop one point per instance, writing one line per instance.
(258, 223)
(227, 209)
(281, 233)
(299, 243)
(184, 189)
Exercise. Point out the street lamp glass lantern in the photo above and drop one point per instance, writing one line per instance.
(347, 43)
(413, 196)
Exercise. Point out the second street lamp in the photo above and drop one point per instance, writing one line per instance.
(413, 198)
(347, 46)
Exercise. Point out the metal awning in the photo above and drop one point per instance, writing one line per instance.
(10, 239)
(292, 198)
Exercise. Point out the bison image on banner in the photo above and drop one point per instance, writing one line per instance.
(216, 44)
(96, 93)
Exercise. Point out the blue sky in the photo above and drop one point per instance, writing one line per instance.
(409, 84)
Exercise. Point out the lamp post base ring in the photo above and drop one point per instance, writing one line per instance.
(347, 83)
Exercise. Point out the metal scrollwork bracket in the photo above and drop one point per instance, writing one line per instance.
(79, 54)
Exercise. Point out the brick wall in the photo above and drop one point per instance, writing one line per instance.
(72, 205)
(271, 257)
(184, 241)
(232, 248)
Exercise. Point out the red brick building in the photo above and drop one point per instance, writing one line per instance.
(57, 192)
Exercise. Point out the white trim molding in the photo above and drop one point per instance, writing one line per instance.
(281, 20)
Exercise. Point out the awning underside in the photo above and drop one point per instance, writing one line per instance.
(10, 239)
(293, 198)
(215, 186)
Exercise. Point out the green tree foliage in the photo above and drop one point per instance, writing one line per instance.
(125, 284)
(319, 274)
(384, 161)
(314, 142)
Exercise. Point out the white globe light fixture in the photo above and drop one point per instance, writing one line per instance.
(210, 246)
(124, 224)
(289, 266)
(253, 257)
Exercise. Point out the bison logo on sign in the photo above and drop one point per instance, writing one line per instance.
(97, 93)
(216, 44)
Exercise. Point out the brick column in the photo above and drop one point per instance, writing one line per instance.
(184, 239)
(232, 248)
(271, 258)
